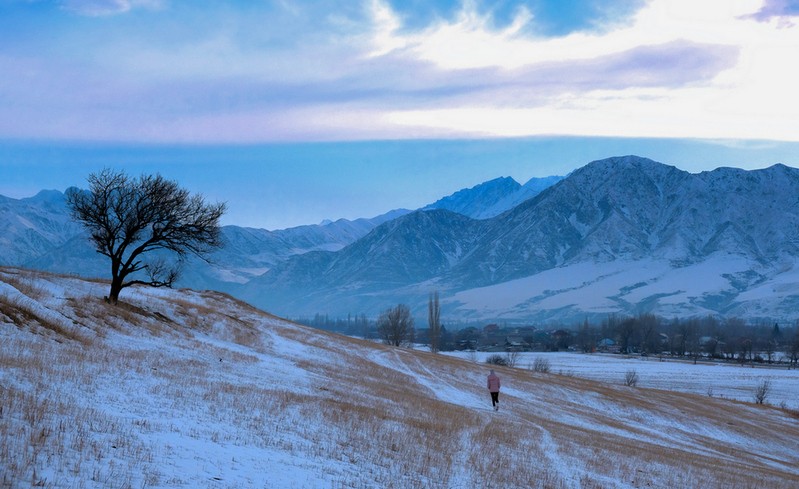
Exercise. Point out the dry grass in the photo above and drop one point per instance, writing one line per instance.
(17, 310)
(90, 413)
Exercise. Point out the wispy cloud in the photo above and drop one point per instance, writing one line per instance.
(96, 8)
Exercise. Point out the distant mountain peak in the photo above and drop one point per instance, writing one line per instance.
(492, 198)
(474, 201)
(48, 195)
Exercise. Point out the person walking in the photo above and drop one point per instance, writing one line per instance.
(493, 388)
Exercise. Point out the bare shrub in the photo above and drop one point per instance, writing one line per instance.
(631, 378)
(512, 358)
(497, 359)
(540, 365)
(761, 391)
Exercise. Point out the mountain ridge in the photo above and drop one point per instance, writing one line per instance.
(617, 210)
(623, 234)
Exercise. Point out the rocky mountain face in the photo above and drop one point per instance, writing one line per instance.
(633, 208)
(489, 199)
(34, 226)
(657, 239)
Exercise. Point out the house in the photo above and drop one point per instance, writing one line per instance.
(608, 345)
(516, 343)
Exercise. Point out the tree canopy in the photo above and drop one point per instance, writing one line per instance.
(129, 217)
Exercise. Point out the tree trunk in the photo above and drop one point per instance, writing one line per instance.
(116, 288)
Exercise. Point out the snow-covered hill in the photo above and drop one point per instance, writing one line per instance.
(176, 388)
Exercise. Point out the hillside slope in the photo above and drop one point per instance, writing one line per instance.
(194, 389)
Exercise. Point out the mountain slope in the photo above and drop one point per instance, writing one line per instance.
(197, 389)
(493, 197)
(630, 235)
(622, 235)
(39, 233)
(662, 225)
(408, 250)
(33, 226)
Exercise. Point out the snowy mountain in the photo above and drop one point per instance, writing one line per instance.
(492, 198)
(621, 235)
(195, 389)
(34, 226)
(39, 233)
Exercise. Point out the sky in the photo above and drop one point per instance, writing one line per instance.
(295, 112)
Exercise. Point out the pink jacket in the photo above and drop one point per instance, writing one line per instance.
(493, 383)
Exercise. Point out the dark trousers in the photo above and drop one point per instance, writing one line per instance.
(494, 398)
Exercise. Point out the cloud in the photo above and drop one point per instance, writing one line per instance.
(209, 71)
(782, 10)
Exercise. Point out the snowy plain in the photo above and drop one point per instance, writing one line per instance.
(723, 380)
(184, 389)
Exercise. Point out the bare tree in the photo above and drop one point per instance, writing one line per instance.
(585, 339)
(625, 331)
(512, 357)
(793, 349)
(434, 321)
(395, 326)
(128, 217)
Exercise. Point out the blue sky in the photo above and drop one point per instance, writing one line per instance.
(293, 112)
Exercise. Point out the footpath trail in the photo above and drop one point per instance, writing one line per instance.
(575, 427)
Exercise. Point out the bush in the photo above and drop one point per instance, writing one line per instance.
(762, 390)
(497, 359)
(541, 365)
(631, 378)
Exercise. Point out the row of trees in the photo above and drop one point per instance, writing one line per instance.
(730, 339)
(646, 334)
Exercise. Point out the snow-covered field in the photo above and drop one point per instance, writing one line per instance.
(189, 389)
(724, 380)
